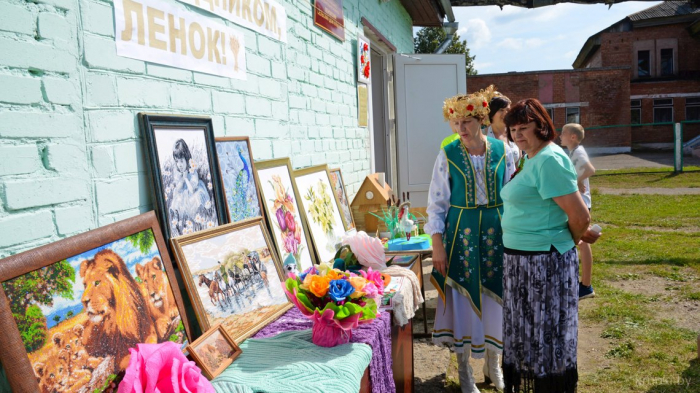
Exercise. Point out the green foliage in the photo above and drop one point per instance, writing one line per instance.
(56, 318)
(143, 240)
(623, 350)
(105, 385)
(69, 314)
(180, 327)
(428, 40)
(32, 328)
(40, 286)
(174, 338)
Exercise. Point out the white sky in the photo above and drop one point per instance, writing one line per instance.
(545, 38)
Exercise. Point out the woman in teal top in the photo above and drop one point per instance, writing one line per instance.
(544, 217)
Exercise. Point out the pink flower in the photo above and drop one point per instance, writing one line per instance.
(371, 291)
(368, 250)
(291, 224)
(375, 277)
(162, 368)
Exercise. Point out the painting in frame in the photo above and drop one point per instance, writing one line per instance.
(213, 351)
(186, 180)
(70, 310)
(283, 209)
(341, 197)
(235, 160)
(320, 210)
(233, 277)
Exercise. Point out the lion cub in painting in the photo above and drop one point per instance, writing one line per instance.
(157, 293)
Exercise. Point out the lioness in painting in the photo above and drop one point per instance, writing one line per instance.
(115, 308)
(161, 301)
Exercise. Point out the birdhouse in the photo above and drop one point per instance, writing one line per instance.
(370, 197)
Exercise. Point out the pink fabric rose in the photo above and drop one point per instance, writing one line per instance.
(162, 368)
(371, 291)
(375, 277)
(368, 250)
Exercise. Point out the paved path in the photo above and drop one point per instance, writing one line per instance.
(649, 191)
(662, 159)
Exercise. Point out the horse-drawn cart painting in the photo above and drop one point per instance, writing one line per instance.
(232, 277)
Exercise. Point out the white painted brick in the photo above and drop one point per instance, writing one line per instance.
(270, 88)
(107, 126)
(142, 93)
(298, 132)
(308, 90)
(262, 149)
(20, 90)
(103, 161)
(338, 133)
(307, 118)
(314, 132)
(101, 90)
(228, 102)
(324, 94)
(101, 53)
(23, 194)
(19, 160)
(269, 48)
(66, 159)
(240, 126)
(17, 19)
(63, 4)
(301, 161)
(97, 18)
(318, 105)
(61, 91)
(54, 26)
(282, 148)
(118, 195)
(38, 125)
(73, 219)
(166, 72)
(271, 129)
(23, 228)
(279, 70)
(258, 65)
(298, 102)
(250, 85)
(280, 110)
(32, 54)
(297, 73)
(323, 120)
(190, 98)
(219, 125)
(325, 132)
(258, 106)
(128, 157)
(212, 80)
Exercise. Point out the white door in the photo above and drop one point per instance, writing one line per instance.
(422, 84)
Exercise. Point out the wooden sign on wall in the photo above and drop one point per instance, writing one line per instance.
(328, 15)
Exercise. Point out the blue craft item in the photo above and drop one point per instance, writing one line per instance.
(401, 244)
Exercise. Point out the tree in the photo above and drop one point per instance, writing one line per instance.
(69, 314)
(428, 40)
(143, 240)
(56, 318)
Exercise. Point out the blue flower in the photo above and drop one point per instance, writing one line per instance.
(340, 289)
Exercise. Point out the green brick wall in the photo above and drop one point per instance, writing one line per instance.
(71, 156)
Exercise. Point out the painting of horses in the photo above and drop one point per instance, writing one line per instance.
(238, 178)
(214, 351)
(232, 277)
(79, 315)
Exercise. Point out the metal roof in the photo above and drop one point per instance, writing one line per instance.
(665, 10)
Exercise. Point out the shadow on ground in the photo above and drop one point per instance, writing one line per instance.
(689, 381)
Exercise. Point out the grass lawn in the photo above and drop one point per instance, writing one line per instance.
(647, 177)
(646, 275)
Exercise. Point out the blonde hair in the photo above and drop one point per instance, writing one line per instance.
(576, 129)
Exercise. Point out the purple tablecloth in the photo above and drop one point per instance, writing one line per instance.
(376, 334)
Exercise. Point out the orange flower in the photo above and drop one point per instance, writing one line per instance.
(319, 285)
(335, 274)
(358, 283)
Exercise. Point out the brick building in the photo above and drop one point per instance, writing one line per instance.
(643, 69)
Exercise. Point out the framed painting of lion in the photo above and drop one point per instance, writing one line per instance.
(232, 277)
(70, 310)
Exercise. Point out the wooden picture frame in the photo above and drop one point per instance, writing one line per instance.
(207, 345)
(314, 186)
(341, 196)
(237, 208)
(99, 263)
(279, 228)
(187, 199)
(222, 267)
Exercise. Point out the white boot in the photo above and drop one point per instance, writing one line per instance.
(492, 370)
(466, 377)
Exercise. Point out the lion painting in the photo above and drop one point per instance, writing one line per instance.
(115, 307)
(157, 292)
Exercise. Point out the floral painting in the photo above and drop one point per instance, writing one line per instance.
(238, 178)
(186, 180)
(232, 277)
(284, 217)
(78, 317)
(363, 63)
(342, 198)
(321, 210)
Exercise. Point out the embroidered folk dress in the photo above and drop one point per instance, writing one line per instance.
(465, 206)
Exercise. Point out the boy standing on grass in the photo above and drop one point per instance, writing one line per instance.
(572, 135)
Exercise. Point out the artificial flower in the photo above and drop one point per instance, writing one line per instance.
(376, 277)
(368, 250)
(311, 270)
(371, 290)
(335, 275)
(339, 290)
(319, 285)
(470, 107)
(358, 282)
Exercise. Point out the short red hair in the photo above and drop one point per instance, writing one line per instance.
(530, 110)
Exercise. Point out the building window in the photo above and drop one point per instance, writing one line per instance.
(666, 62)
(692, 108)
(573, 115)
(550, 112)
(663, 110)
(643, 64)
(636, 112)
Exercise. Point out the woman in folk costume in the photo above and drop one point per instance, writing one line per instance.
(464, 220)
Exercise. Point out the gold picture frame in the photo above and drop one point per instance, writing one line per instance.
(346, 211)
(205, 349)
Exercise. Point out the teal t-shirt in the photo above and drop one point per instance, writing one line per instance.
(532, 221)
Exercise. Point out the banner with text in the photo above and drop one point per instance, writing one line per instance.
(262, 16)
(158, 32)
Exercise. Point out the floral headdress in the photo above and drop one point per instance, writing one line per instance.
(475, 104)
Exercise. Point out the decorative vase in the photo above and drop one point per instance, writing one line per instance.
(327, 333)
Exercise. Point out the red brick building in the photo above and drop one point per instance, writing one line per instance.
(643, 69)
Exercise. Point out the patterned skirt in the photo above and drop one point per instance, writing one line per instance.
(540, 321)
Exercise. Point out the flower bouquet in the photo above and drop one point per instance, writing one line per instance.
(335, 300)
(290, 229)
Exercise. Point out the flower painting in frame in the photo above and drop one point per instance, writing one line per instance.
(342, 197)
(282, 207)
(185, 173)
(233, 277)
(70, 310)
(238, 178)
(320, 209)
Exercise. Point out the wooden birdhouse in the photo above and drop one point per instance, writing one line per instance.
(371, 197)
